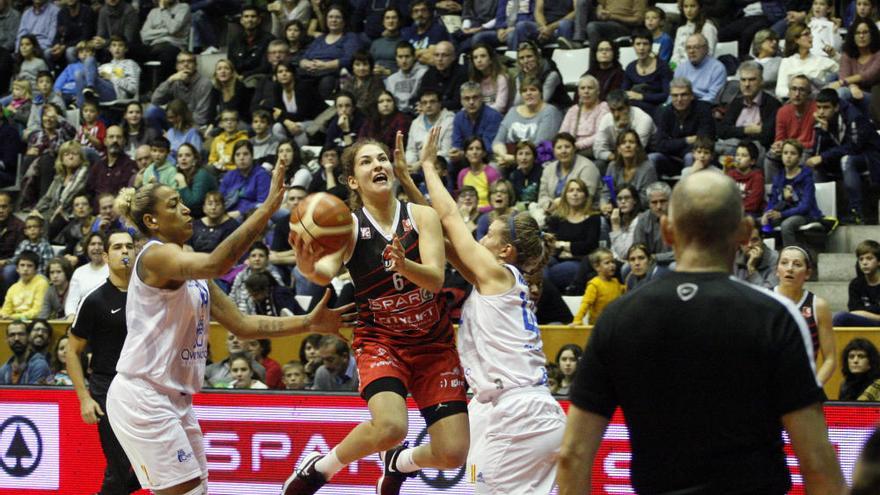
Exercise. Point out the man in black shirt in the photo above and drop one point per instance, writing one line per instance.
(100, 325)
(706, 368)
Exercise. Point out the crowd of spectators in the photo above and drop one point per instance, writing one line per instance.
(98, 96)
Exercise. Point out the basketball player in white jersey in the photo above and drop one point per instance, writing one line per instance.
(171, 300)
(516, 424)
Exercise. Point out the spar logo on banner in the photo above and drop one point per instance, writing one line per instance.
(253, 449)
(29, 446)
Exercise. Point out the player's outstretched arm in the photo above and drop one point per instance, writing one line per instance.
(818, 460)
(401, 172)
(169, 262)
(321, 319)
(473, 260)
(583, 434)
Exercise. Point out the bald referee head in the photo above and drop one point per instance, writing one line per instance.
(705, 222)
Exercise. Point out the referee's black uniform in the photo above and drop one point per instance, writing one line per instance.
(100, 320)
(703, 367)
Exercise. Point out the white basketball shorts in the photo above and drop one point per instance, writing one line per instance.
(158, 431)
(515, 442)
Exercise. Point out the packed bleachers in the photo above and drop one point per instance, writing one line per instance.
(581, 118)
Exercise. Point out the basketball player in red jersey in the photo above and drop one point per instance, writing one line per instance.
(403, 340)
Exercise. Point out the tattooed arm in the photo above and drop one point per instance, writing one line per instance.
(169, 264)
(322, 319)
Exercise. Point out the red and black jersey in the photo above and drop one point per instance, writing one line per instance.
(390, 307)
(807, 307)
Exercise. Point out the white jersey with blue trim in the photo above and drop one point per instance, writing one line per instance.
(499, 342)
(167, 341)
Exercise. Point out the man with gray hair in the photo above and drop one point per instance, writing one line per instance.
(706, 74)
(751, 115)
(622, 117)
(647, 229)
(338, 373)
(474, 119)
(755, 343)
(678, 125)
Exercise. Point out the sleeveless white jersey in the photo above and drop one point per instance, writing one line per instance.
(499, 342)
(167, 341)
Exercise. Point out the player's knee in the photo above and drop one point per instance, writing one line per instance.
(390, 432)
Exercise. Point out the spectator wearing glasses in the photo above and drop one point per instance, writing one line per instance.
(706, 74)
(800, 61)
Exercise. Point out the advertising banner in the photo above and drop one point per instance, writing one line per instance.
(253, 441)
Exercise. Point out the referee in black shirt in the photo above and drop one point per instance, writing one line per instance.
(100, 324)
(707, 370)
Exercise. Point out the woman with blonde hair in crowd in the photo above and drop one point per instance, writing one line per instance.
(228, 93)
(71, 174)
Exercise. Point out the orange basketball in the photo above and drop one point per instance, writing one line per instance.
(324, 218)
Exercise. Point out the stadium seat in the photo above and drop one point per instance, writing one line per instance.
(627, 55)
(727, 48)
(572, 64)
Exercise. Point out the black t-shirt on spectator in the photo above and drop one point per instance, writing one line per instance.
(703, 367)
(100, 319)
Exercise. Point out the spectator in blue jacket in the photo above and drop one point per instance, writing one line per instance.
(846, 145)
(25, 367)
(792, 201)
(246, 187)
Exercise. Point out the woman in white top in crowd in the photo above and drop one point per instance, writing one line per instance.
(516, 425)
(799, 60)
(170, 306)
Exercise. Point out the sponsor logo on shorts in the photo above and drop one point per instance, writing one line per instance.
(379, 364)
(183, 456)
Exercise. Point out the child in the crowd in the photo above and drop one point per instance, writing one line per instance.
(30, 58)
(66, 82)
(294, 375)
(827, 41)
(35, 240)
(696, 22)
(265, 142)
(19, 102)
(554, 377)
(243, 373)
(602, 289)
(220, 156)
(117, 79)
(704, 156)
(860, 366)
(792, 201)
(25, 297)
(92, 131)
(45, 92)
(864, 290)
(655, 20)
(749, 178)
(161, 169)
